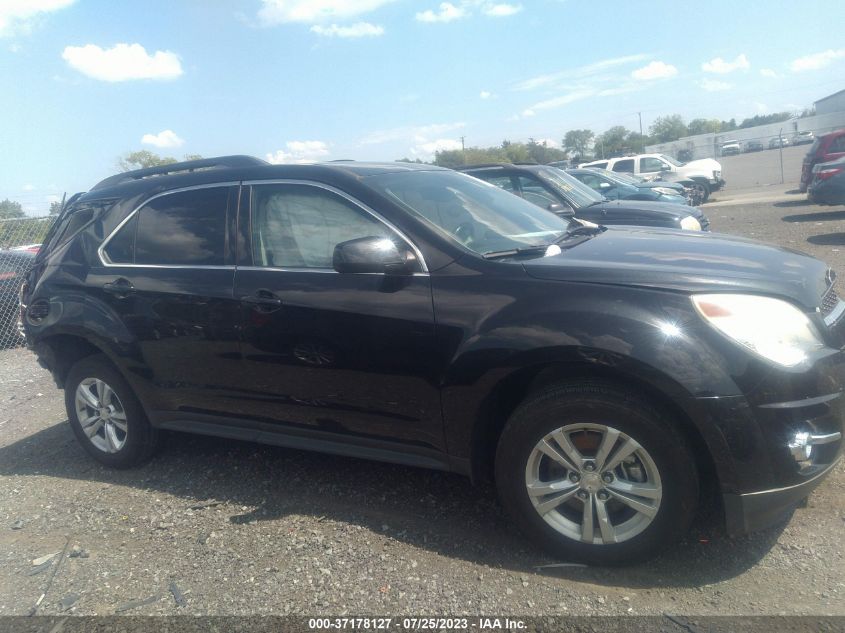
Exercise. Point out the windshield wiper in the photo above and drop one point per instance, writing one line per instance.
(580, 231)
(514, 252)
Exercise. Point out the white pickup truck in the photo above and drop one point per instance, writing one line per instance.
(704, 175)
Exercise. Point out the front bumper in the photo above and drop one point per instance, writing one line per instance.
(758, 510)
(715, 185)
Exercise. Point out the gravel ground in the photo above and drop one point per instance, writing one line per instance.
(217, 527)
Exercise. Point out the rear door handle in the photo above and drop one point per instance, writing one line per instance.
(120, 288)
(263, 300)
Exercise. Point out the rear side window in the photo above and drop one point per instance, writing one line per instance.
(649, 163)
(598, 165)
(187, 228)
(624, 165)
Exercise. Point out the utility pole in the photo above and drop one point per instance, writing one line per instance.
(463, 151)
(642, 138)
(780, 149)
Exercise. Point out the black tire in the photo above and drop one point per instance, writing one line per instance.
(591, 402)
(704, 188)
(141, 440)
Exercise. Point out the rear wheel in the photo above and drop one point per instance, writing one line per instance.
(105, 415)
(596, 474)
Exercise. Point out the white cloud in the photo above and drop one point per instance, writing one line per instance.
(313, 11)
(447, 13)
(29, 187)
(579, 72)
(359, 29)
(17, 15)
(299, 152)
(559, 101)
(485, 95)
(123, 62)
(768, 72)
(816, 60)
(501, 10)
(426, 151)
(761, 108)
(548, 142)
(528, 113)
(713, 85)
(416, 133)
(165, 138)
(721, 67)
(655, 70)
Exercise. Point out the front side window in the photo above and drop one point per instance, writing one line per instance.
(475, 213)
(534, 191)
(649, 164)
(298, 226)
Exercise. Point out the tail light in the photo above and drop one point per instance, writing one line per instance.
(824, 174)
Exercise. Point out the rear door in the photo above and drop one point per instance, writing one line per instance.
(167, 273)
(326, 355)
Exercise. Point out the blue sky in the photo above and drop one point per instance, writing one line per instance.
(296, 80)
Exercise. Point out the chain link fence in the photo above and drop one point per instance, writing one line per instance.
(20, 239)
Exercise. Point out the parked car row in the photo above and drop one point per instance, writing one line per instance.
(824, 149)
(603, 377)
(704, 175)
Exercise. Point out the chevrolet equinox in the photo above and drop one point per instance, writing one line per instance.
(601, 377)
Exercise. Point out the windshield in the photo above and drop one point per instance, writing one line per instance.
(671, 160)
(576, 191)
(477, 214)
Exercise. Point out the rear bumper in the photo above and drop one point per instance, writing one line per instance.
(746, 513)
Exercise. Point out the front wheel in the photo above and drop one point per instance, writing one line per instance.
(596, 474)
(702, 191)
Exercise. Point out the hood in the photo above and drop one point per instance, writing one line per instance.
(688, 261)
(666, 184)
(649, 208)
(707, 165)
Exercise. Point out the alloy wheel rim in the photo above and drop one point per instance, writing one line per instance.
(593, 483)
(101, 415)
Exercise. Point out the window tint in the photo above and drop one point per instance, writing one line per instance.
(536, 193)
(503, 182)
(602, 165)
(624, 165)
(121, 247)
(298, 226)
(186, 228)
(649, 164)
(837, 145)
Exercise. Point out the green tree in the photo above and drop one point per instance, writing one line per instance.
(145, 158)
(55, 207)
(763, 119)
(614, 141)
(578, 141)
(541, 152)
(668, 128)
(704, 126)
(10, 209)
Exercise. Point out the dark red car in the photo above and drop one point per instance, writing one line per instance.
(825, 148)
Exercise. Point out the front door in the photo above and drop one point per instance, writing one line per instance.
(327, 354)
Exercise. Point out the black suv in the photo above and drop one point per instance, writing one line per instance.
(601, 377)
(555, 190)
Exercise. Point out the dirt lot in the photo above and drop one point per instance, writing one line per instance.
(221, 527)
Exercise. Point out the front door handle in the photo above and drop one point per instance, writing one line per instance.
(120, 288)
(262, 300)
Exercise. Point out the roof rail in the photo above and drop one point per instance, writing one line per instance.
(185, 166)
(483, 166)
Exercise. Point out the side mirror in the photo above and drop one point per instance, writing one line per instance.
(562, 211)
(370, 255)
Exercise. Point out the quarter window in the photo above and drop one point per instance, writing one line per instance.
(121, 247)
(298, 226)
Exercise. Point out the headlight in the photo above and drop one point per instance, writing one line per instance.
(716, 174)
(666, 191)
(772, 328)
(689, 223)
